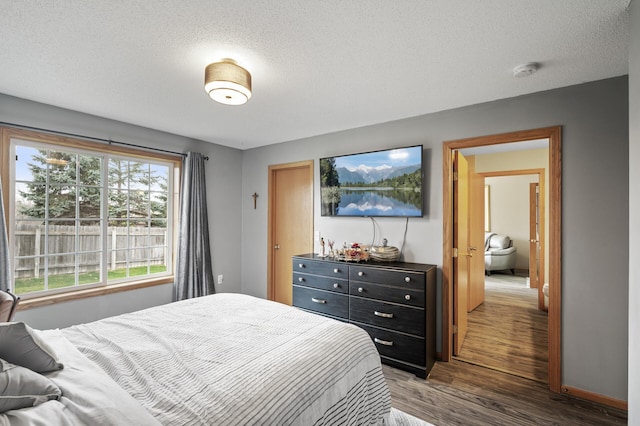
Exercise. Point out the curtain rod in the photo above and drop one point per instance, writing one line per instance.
(91, 138)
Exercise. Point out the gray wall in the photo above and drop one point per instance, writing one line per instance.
(596, 206)
(223, 171)
(595, 212)
(634, 214)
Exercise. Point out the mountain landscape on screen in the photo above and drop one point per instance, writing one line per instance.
(364, 174)
(378, 183)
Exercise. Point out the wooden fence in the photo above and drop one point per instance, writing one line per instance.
(144, 244)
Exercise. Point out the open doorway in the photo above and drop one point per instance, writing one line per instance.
(507, 331)
(451, 251)
(518, 208)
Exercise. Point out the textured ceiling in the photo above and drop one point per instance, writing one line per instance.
(317, 67)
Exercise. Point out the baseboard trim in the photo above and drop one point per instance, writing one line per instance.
(594, 397)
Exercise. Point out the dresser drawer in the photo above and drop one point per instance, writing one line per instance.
(320, 267)
(404, 279)
(397, 345)
(388, 294)
(324, 302)
(323, 283)
(388, 315)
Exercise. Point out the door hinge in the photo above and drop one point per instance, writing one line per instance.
(455, 329)
(455, 252)
(455, 176)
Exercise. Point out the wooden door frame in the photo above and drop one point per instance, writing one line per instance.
(273, 169)
(553, 134)
(542, 206)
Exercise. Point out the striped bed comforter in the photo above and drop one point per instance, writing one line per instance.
(231, 359)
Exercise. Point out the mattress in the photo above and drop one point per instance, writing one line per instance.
(233, 359)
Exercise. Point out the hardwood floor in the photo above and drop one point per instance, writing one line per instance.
(458, 393)
(508, 332)
(508, 337)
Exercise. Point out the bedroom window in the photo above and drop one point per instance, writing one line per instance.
(88, 216)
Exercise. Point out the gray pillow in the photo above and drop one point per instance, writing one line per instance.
(20, 345)
(21, 387)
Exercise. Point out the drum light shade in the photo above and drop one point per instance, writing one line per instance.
(227, 82)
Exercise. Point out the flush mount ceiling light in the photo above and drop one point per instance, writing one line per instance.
(525, 70)
(227, 82)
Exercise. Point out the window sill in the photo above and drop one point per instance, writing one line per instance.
(89, 292)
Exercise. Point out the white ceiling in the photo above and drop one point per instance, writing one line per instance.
(317, 67)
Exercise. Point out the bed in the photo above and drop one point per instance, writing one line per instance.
(224, 359)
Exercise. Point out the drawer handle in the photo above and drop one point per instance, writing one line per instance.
(361, 274)
(313, 299)
(383, 342)
(407, 297)
(336, 270)
(300, 265)
(301, 279)
(382, 314)
(336, 285)
(407, 279)
(360, 289)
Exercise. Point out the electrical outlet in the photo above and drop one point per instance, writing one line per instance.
(316, 236)
(220, 279)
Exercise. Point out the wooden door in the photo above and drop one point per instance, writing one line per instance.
(476, 238)
(461, 244)
(534, 236)
(537, 237)
(290, 224)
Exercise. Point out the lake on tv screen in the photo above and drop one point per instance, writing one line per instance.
(379, 202)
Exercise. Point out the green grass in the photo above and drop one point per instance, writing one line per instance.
(28, 285)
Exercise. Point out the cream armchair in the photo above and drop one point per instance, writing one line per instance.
(499, 253)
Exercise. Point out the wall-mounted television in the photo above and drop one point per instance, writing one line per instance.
(378, 183)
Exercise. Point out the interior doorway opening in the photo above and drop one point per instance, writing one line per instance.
(507, 330)
(449, 323)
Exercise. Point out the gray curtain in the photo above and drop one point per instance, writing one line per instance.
(5, 268)
(194, 272)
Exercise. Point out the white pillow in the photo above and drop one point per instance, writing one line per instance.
(20, 345)
(21, 387)
(500, 241)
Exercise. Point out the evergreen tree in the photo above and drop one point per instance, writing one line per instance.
(328, 173)
(329, 186)
(129, 185)
(77, 176)
(65, 171)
